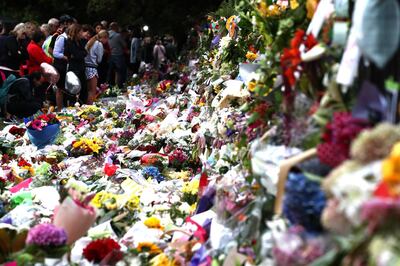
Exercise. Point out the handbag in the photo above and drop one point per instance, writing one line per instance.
(72, 83)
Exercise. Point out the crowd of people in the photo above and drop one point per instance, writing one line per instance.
(99, 54)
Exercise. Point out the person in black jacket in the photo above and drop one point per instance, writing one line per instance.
(12, 53)
(75, 52)
(21, 101)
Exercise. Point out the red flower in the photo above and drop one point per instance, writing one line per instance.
(297, 39)
(22, 163)
(382, 191)
(43, 117)
(110, 169)
(310, 41)
(97, 250)
(16, 131)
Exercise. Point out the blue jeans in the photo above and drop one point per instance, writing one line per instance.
(118, 64)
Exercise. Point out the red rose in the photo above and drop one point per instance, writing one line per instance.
(97, 250)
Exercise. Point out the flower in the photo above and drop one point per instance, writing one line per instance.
(133, 203)
(46, 235)
(16, 131)
(104, 199)
(251, 56)
(153, 222)
(97, 250)
(37, 125)
(304, 202)
(191, 187)
(252, 86)
(162, 260)
(148, 247)
(152, 171)
(391, 166)
(337, 138)
(375, 144)
(380, 211)
(294, 4)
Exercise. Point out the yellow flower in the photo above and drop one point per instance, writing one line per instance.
(251, 56)
(162, 260)
(294, 4)
(148, 247)
(391, 170)
(153, 222)
(99, 198)
(133, 203)
(262, 8)
(251, 86)
(191, 187)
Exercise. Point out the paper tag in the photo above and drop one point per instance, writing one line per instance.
(340, 32)
(324, 10)
(349, 64)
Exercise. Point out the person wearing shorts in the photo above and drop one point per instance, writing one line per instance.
(95, 50)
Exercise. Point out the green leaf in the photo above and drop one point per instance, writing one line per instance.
(392, 85)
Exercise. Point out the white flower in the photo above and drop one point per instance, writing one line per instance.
(224, 43)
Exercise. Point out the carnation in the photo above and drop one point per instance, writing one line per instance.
(46, 235)
(97, 250)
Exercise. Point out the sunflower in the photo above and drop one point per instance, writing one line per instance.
(148, 247)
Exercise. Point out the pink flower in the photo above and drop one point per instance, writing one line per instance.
(37, 124)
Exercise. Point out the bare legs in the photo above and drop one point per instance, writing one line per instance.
(59, 99)
(92, 84)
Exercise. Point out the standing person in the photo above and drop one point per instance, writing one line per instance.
(60, 60)
(46, 29)
(117, 58)
(171, 50)
(48, 44)
(98, 27)
(36, 54)
(159, 54)
(136, 45)
(75, 52)
(12, 53)
(95, 51)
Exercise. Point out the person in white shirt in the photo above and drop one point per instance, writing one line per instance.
(95, 51)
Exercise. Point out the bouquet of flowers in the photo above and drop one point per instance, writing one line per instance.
(43, 241)
(43, 129)
(86, 146)
(71, 211)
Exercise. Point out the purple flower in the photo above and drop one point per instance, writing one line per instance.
(46, 235)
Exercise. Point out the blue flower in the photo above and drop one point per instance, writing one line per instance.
(304, 202)
(153, 172)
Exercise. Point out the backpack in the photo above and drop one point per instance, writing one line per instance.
(5, 86)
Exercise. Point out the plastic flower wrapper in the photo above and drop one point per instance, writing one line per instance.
(71, 211)
(43, 241)
(296, 247)
(303, 202)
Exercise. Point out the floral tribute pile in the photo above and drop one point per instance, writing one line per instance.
(259, 148)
